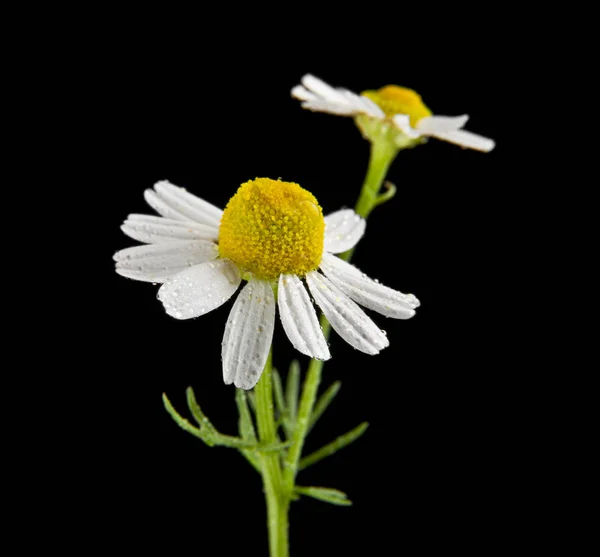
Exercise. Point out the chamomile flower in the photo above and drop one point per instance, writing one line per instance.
(273, 235)
(396, 112)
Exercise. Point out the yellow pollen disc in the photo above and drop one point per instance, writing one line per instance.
(270, 227)
(393, 99)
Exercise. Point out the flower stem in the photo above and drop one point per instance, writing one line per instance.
(307, 403)
(279, 484)
(382, 156)
(278, 500)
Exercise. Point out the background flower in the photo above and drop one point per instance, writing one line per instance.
(401, 108)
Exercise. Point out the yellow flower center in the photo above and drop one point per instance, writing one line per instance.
(270, 227)
(393, 99)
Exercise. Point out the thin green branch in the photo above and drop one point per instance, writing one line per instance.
(307, 402)
(246, 428)
(246, 425)
(331, 448)
(196, 411)
(323, 403)
(292, 389)
(389, 193)
(251, 400)
(212, 437)
(327, 494)
(280, 399)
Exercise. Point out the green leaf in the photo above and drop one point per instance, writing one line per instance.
(327, 494)
(331, 448)
(383, 197)
(184, 424)
(196, 411)
(323, 403)
(292, 389)
(278, 393)
(246, 426)
(209, 434)
(251, 400)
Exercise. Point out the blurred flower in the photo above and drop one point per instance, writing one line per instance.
(395, 112)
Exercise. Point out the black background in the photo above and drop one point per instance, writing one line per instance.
(436, 468)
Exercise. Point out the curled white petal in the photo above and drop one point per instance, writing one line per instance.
(468, 140)
(300, 93)
(299, 318)
(343, 230)
(158, 262)
(321, 97)
(184, 203)
(163, 208)
(402, 122)
(158, 230)
(371, 108)
(199, 204)
(367, 292)
(199, 289)
(329, 107)
(176, 203)
(325, 91)
(248, 335)
(348, 320)
(430, 125)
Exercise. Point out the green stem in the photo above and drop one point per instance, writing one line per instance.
(278, 501)
(307, 403)
(382, 156)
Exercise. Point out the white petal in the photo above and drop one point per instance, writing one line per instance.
(430, 125)
(330, 108)
(343, 230)
(248, 335)
(299, 318)
(334, 100)
(199, 289)
(348, 320)
(371, 108)
(468, 140)
(188, 205)
(323, 90)
(402, 122)
(199, 204)
(321, 97)
(302, 94)
(158, 230)
(361, 104)
(366, 291)
(158, 262)
(162, 208)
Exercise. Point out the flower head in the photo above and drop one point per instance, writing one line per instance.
(273, 235)
(271, 227)
(394, 112)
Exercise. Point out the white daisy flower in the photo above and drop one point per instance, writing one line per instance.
(273, 235)
(400, 107)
